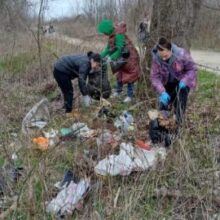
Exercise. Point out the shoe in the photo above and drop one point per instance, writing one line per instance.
(73, 114)
(127, 99)
(115, 94)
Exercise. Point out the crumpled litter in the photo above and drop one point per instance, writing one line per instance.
(37, 117)
(68, 198)
(77, 129)
(82, 129)
(41, 143)
(106, 138)
(52, 136)
(68, 177)
(129, 159)
(143, 145)
(125, 122)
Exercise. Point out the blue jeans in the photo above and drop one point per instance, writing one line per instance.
(130, 88)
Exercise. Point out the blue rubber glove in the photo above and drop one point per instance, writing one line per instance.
(182, 85)
(164, 98)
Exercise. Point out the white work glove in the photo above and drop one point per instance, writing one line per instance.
(87, 100)
(108, 59)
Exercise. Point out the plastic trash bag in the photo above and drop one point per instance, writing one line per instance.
(68, 198)
(125, 122)
(129, 159)
(37, 117)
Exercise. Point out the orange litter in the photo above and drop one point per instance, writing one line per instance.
(42, 143)
(142, 144)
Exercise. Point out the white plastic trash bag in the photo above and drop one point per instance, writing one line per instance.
(129, 159)
(68, 198)
(37, 117)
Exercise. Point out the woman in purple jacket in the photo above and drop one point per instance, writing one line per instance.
(173, 74)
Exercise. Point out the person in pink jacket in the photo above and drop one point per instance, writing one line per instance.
(173, 74)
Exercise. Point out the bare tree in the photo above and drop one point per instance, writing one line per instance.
(175, 20)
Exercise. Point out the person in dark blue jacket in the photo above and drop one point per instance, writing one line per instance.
(73, 66)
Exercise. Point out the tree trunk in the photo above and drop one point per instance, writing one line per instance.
(173, 19)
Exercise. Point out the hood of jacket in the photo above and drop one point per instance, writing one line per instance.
(175, 52)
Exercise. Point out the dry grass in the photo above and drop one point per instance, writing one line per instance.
(184, 186)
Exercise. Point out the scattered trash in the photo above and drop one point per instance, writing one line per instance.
(68, 198)
(37, 117)
(105, 103)
(164, 117)
(106, 138)
(15, 135)
(166, 120)
(41, 143)
(129, 159)
(68, 177)
(142, 144)
(66, 131)
(153, 114)
(159, 134)
(107, 143)
(161, 127)
(77, 129)
(82, 130)
(52, 136)
(125, 122)
(14, 156)
(104, 111)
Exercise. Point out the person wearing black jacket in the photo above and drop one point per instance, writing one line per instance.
(73, 66)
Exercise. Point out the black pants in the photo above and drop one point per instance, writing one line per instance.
(178, 99)
(65, 84)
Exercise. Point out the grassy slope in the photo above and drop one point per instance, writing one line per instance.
(187, 167)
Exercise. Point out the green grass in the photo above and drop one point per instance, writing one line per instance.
(17, 64)
(209, 85)
(189, 154)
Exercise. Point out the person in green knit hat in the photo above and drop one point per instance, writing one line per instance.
(118, 43)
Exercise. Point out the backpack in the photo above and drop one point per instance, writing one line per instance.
(142, 32)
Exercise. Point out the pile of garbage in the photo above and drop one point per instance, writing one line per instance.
(117, 153)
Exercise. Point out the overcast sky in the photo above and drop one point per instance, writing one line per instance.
(57, 8)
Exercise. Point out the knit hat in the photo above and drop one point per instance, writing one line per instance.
(105, 27)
